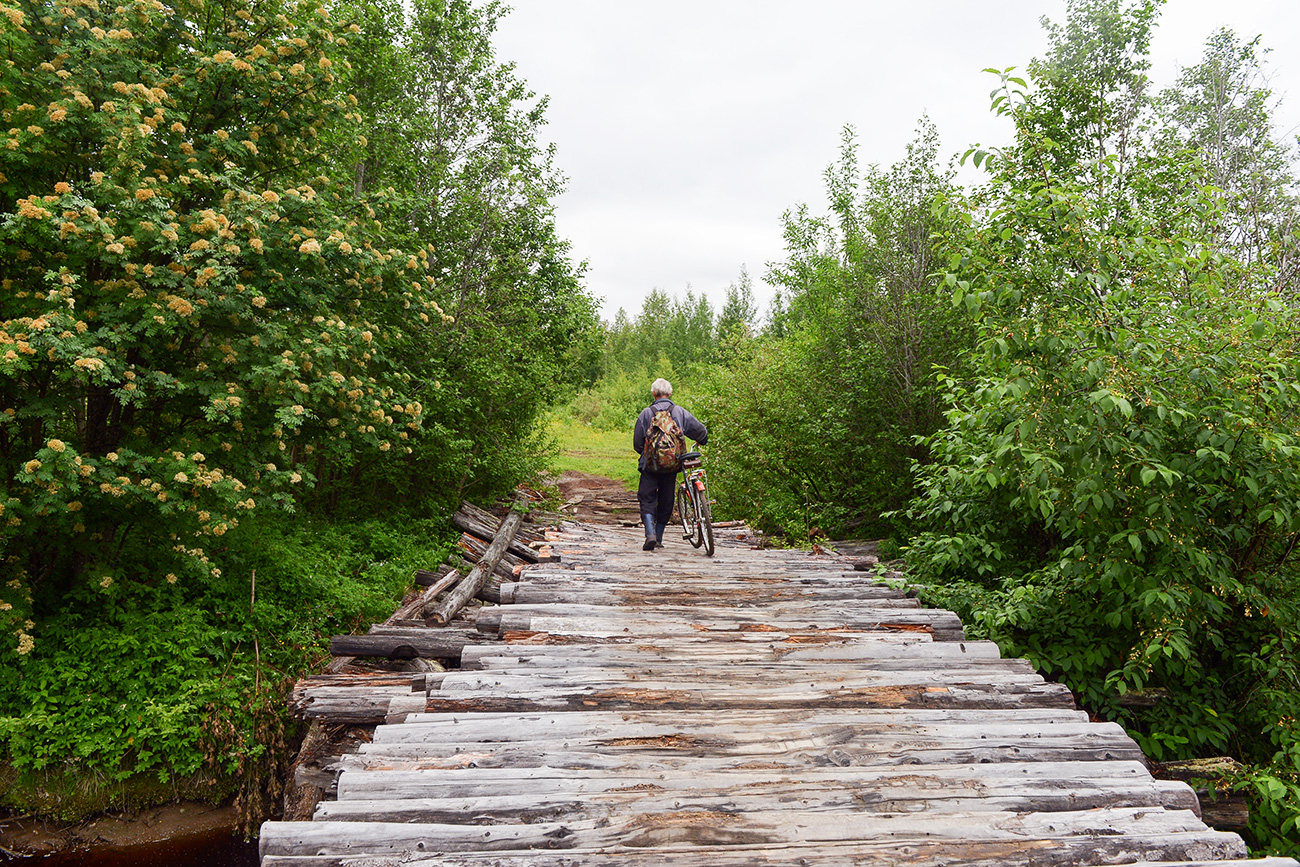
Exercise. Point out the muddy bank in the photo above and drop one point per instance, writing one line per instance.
(173, 824)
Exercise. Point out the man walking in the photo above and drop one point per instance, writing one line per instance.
(660, 440)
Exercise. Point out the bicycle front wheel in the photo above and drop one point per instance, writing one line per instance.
(706, 522)
(697, 506)
(686, 511)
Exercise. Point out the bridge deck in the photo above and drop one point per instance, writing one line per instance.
(757, 707)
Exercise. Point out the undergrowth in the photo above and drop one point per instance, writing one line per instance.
(149, 690)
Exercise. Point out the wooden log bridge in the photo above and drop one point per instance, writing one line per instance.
(639, 708)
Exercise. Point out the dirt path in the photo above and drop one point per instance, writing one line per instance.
(597, 499)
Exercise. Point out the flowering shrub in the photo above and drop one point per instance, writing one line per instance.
(191, 304)
(232, 291)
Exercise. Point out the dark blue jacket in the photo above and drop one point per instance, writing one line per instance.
(689, 424)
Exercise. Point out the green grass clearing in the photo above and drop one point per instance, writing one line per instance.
(585, 449)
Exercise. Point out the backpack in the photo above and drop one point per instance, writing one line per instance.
(664, 444)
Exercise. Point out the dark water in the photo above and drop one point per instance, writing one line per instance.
(209, 850)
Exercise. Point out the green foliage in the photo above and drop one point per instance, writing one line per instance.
(1220, 109)
(768, 436)
(816, 421)
(234, 292)
(1114, 493)
(613, 402)
(1274, 809)
(668, 335)
(452, 138)
(136, 678)
(188, 313)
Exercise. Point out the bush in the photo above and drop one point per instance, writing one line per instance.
(153, 678)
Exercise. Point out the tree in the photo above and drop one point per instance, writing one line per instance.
(230, 298)
(1221, 110)
(1113, 494)
(452, 143)
(859, 329)
(739, 313)
(190, 307)
(1092, 86)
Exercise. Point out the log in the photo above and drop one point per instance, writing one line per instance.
(490, 591)
(1221, 808)
(426, 577)
(474, 521)
(527, 535)
(699, 697)
(923, 854)
(474, 549)
(411, 644)
(541, 592)
(746, 856)
(835, 795)
(404, 612)
(644, 758)
(866, 649)
(645, 622)
(1107, 832)
(474, 581)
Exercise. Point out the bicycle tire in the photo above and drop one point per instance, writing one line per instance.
(697, 518)
(706, 523)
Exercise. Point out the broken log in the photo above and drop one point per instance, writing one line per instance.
(414, 608)
(427, 577)
(1221, 808)
(475, 549)
(484, 525)
(476, 579)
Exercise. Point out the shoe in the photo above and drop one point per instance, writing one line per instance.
(658, 544)
(649, 545)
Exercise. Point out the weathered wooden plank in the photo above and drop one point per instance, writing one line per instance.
(943, 625)
(478, 782)
(1029, 853)
(846, 797)
(740, 681)
(794, 761)
(739, 739)
(722, 697)
(537, 592)
(409, 644)
(356, 706)
(739, 669)
(902, 648)
(1158, 833)
(536, 727)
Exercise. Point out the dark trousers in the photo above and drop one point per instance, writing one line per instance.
(655, 495)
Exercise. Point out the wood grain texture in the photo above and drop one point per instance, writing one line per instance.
(754, 708)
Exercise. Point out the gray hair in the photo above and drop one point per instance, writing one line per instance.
(661, 388)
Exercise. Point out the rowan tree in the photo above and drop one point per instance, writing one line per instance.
(193, 304)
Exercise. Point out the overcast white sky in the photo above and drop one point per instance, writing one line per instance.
(687, 127)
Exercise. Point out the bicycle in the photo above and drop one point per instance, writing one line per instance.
(693, 503)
